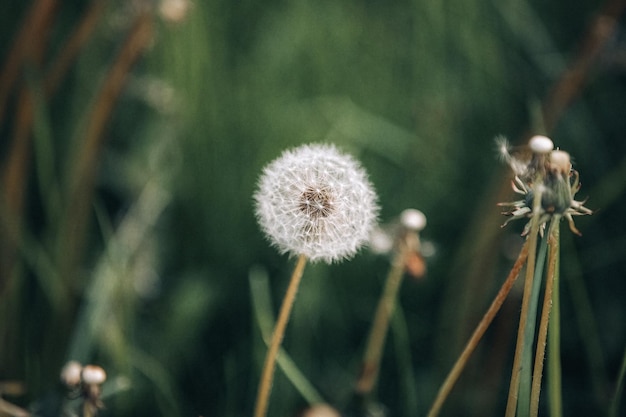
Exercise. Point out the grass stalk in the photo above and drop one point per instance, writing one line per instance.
(528, 285)
(523, 402)
(269, 366)
(554, 340)
(553, 239)
(480, 330)
(261, 301)
(378, 332)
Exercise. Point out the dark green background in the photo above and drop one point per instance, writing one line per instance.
(417, 90)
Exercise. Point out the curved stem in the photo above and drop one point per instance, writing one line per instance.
(269, 366)
(378, 332)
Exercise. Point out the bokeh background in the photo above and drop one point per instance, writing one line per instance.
(132, 134)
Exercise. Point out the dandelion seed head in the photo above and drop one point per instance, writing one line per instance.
(541, 144)
(316, 201)
(71, 373)
(93, 374)
(413, 219)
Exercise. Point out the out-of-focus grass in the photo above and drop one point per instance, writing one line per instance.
(155, 287)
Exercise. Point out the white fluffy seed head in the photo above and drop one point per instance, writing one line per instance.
(316, 201)
(93, 375)
(71, 373)
(413, 219)
(541, 144)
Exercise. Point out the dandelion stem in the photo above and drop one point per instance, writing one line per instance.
(378, 332)
(458, 367)
(545, 316)
(523, 405)
(528, 285)
(554, 352)
(267, 375)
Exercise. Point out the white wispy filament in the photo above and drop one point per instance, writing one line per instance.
(316, 201)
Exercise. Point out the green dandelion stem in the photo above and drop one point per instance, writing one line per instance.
(553, 242)
(528, 284)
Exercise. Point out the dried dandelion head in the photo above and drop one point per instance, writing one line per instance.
(546, 171)
(316, 201)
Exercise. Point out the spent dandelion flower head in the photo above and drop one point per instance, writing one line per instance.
(316, 201)
(547, 171)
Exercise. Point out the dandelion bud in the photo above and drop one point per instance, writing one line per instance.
(70, 374)
(540, 144)
(413, 219)
(93, 375)
(560, 162)
(315, 201)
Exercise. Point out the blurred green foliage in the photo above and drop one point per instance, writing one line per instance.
(132, 246)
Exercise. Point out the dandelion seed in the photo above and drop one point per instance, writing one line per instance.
(413, 219)
(315, 201)
(540, 144)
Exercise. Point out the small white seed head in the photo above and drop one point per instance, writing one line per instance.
(316, 201)
(93, 375)
(381, 241)
(413, 219)
(541, 144)
(71, 373)
(560, 161)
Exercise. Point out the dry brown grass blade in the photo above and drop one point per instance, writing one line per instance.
(79, 37)
(28, 45)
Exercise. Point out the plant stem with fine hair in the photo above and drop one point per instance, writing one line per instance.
(554, 352)
(480, 330)
(269, 366)
(545, 316)
(526, 367)
(528, 285)
(378, 332)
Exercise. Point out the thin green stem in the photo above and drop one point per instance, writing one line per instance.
(554, 341)
(261, 302)
(267, 375)
(515, 376)
(528, 285)
(553, 238)
(378, 332)
(484, 323)
(523, 403)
